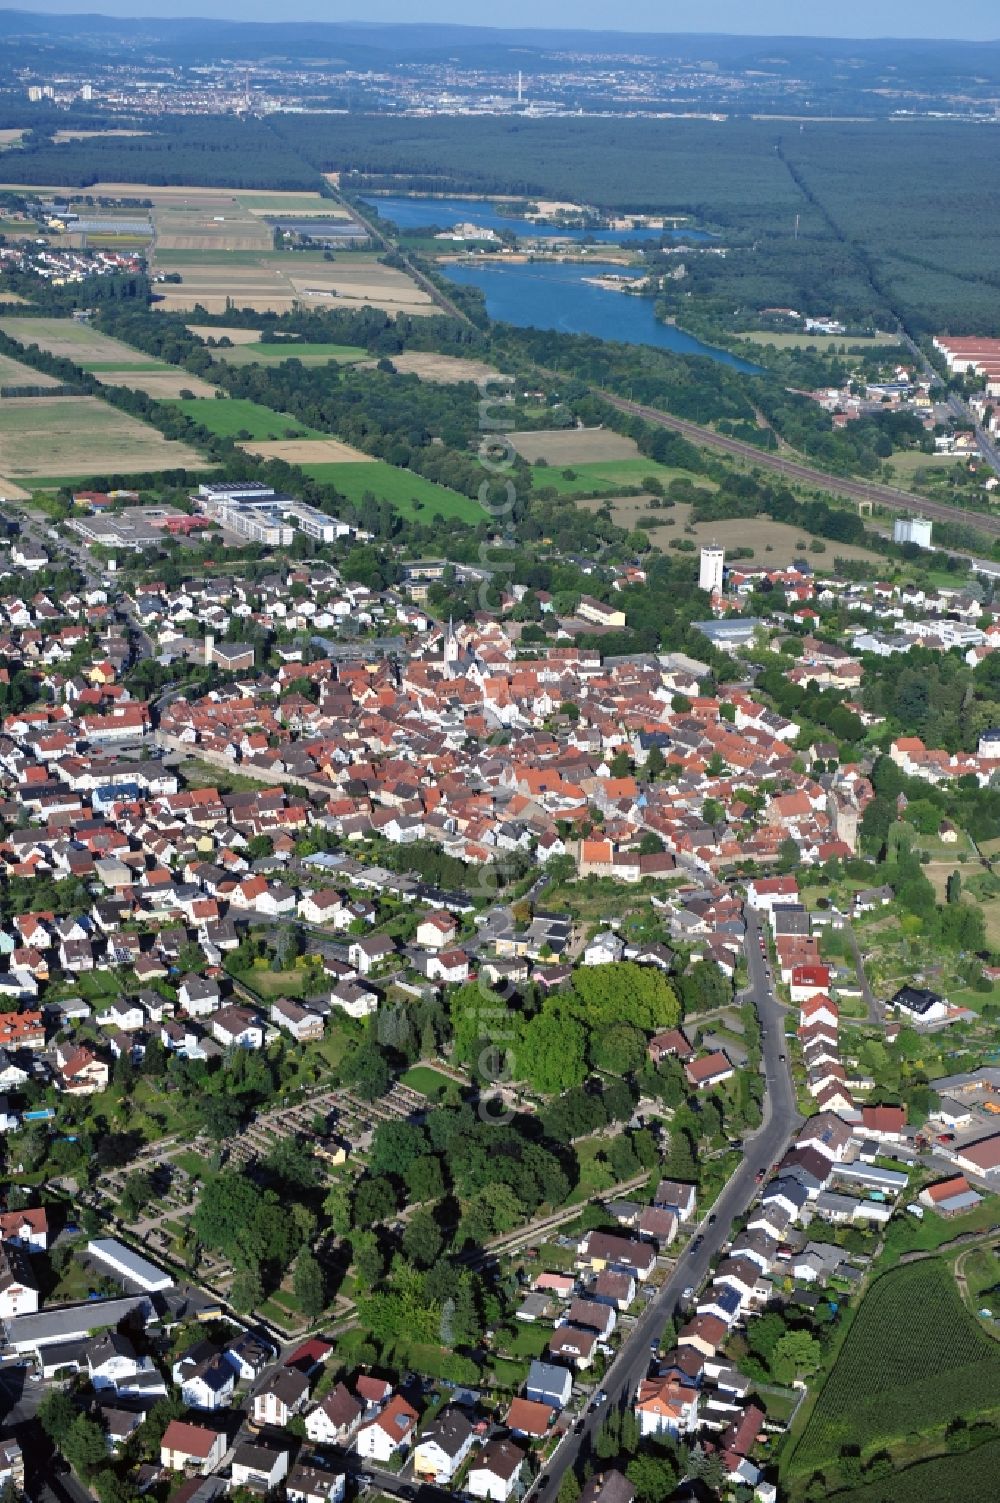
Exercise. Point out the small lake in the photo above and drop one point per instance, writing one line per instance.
(556, 295)
(410, 213)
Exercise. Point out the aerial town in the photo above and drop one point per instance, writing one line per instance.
(499, 766)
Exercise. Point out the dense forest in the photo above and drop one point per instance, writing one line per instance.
(216, 152)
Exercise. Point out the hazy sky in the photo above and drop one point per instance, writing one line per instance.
(975, 19)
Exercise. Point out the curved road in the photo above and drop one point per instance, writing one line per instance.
(838, 485)
(781, 1121)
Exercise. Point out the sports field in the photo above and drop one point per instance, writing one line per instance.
(410, 494)
(80, 436)
(238, 417)
(75, 341)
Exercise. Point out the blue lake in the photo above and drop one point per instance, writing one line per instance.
(555, 295)
(410, 213)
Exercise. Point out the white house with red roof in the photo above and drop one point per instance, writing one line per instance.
(389, 1433)
(807, 980)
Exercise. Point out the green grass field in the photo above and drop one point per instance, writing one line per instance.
(287, 349)
(292, 203)
(232, 415)
(913, 1361)
(428, 1081)
(95, 367)
(822, 342)
(606, 477)
(410, 494)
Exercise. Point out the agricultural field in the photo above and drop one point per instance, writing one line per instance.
(610, 476)
(926, 1371)
(760, 534)
(46, 437)
(972, 1477)
(59, 137)
(309, 451)
(233, 333)
(163, 384)
(266, 280)
(444, 368)
(824, 343)
(277, 351)
(410, 494)
(13, 373)
(213, 224)
(574, 446)
(78, 342)
(233, 417)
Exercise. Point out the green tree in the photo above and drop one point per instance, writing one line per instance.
(247, 1291)
(56, 1414)
(620, 1049)
(796, 1355)
(422, 1239)
(309, 1284)
(552, 1052)
(374, 1201)
(603, 995)
(653, 1477)
(138, 1192)
(569, 1487)
(424, 1178)
(84, 1445)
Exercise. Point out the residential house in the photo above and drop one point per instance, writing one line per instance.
(496, 1471)
(443, 1447)
(237, 1028)
(191, 1448)
(528, 1418)
(311, 1484)
(205, 1378)
(548, 1384)
(388, 1433)
(335, 1420)
(258, 1467)
(18, 1289)
(665, 1406)
(283, 1394)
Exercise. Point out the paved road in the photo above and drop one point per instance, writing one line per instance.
(762, 1150)
(838, 485)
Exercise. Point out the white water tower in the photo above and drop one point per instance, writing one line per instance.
(713, 562)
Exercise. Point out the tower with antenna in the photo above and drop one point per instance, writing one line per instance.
(520, 87)
(711, 570)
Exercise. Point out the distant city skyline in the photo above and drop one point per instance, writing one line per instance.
(977, 20)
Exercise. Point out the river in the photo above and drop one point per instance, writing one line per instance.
(558, 295)
(409, 213)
